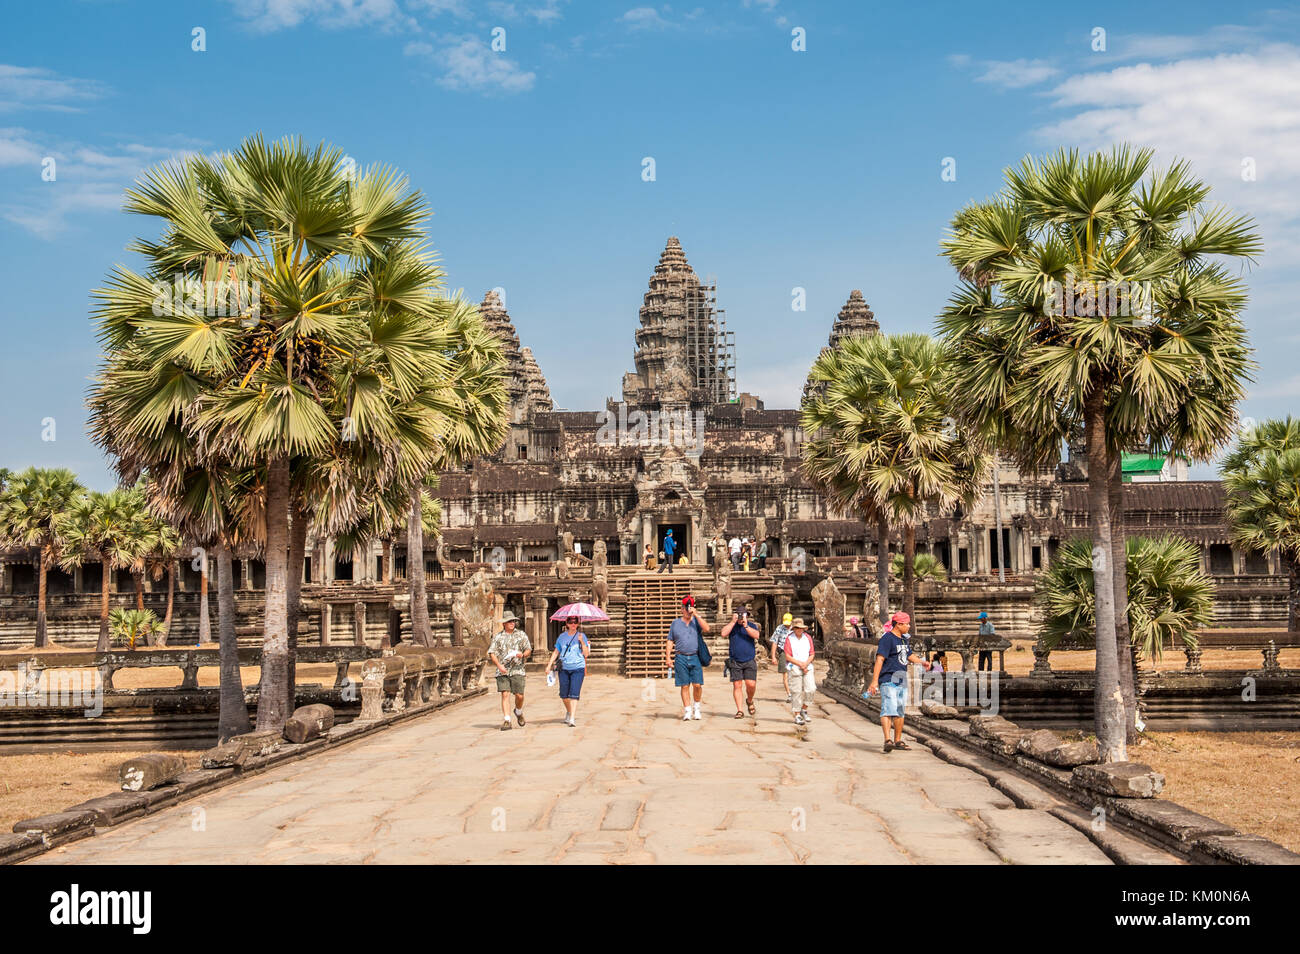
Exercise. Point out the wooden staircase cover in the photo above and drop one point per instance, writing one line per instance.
(653, 600)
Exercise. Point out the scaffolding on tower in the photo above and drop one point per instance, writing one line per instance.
(710, 347)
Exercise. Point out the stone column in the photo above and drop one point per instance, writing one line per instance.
(246, 574)
(359, 623)
(537, 627)
(325, 619)
(699, 554)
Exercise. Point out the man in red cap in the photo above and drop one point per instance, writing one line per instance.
(684, 638)
(892, 658)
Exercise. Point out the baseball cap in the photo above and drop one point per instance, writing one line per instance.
(688, 601)
(787, 619)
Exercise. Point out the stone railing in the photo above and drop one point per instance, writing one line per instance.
(412, 675)
(189, 661)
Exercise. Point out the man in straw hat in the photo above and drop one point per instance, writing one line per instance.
(799, 654)
(889, 678)
(509, 651)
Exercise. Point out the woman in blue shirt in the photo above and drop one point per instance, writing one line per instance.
(570, 653)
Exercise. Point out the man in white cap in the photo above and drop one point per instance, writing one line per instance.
(799, 654)
(509, 651)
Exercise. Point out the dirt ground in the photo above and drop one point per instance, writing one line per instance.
(32, 785)
(1250, 780)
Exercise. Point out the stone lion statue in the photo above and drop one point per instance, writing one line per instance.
(473, 610)
(722, 586)
(600, 587)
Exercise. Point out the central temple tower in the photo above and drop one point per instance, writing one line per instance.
(684, 353)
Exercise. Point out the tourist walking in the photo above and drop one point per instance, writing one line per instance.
(742, 658)
(509, 651)
(733, 549)
(987, 631)
(762, 555)
(569, 661)
(778, 652)
(889, 678)
(685, 638)
(799, 654)
(670, 548)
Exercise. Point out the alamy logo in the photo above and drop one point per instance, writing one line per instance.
(73, 907)
(1084, 298)
(219, 298)
(655, 429)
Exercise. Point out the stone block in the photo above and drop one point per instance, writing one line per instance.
(1072, 754)
(1002, 737)
(113, 809)
(150, 770)
(1120, 779)
(937, 710)
(59, 827)
(229, 754)
(1038, 744)
(309, 722)
(1240, 849)
(260, 743)
(15, 848)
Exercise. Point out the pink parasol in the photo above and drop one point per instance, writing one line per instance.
(584, 611)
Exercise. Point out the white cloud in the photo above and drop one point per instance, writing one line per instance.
(644, 18)
(468, 63)
(1008, 74)
(27, 87)
(268, 16)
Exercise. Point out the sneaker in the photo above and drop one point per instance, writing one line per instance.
(571, 722)
(695, 713)
(807, 716)
(520, 717)
(506, 726)
(686, 715)
(798, 719)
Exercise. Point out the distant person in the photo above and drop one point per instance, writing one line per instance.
(733, 550)
(799, 654)
(669, 553)
(569, 661)
(742, 658)
(747, 552)
(649, 557)
(889, 678)
(762, 555)
(939, 663)
(682, 653)
(509, 651)
(778, 652)
(987, 631)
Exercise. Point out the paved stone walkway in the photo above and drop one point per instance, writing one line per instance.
(632, 784)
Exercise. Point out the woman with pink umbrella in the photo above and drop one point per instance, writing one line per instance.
(569, 657)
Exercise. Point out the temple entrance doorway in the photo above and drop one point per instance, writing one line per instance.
(679, 536)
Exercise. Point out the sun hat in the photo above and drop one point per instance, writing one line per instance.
(509, 618)
(798, 623)
(853, 621)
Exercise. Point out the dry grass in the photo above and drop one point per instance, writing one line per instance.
(32, 785)
(1249, 780)
(166, 677)
(1020, 660)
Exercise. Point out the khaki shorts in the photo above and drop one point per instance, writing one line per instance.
(513, 684)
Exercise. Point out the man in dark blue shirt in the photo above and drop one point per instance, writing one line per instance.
(742, 658)
(890, 678)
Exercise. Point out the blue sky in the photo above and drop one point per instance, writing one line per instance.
(778, 169)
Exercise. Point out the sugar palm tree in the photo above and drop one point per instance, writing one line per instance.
(926, 566)
(286, 375)
(1152, 352)
(31, 505)
(1169, 597)
(103, 527)
(883, 440)
(1262, 479)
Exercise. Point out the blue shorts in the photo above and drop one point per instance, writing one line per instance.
(893, 697)
(571, 682)
(687, 670)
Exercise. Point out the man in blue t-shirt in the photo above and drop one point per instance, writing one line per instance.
(669, 552)
(742, 658)
(890, 677)
(683, 656)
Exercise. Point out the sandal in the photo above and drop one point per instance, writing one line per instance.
(739, 714)
(752, 710)
(902, 745)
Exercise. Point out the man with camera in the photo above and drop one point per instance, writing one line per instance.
(684, 638)
(742, 658)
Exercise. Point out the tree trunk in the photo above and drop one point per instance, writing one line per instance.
(41, 640)
(205, 622)
(1108, 700)
(882, 565)
(171, 602)
(297, 556)
(138, 579)
(997, 518)
(102, 645)
(272, 703)
(421, 635)
(1126, 660)
(909, 572)
(233, 717)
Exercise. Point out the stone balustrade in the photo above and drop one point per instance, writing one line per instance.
(413, 675)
